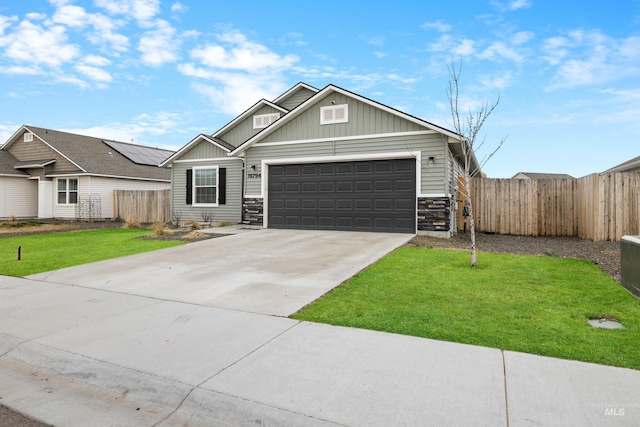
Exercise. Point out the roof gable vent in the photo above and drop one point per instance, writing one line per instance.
(263, 120)
(334, 114)
(28, 137)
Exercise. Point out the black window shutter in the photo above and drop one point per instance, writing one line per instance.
(189, 186)
(222, 190)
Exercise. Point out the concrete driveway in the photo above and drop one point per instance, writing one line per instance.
(188, 337)
(263, 271)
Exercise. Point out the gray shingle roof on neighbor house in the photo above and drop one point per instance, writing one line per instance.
(535, 175)
(94, 156)
(7, 163)
(628, 166)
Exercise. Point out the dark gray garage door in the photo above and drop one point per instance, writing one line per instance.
(377, 195)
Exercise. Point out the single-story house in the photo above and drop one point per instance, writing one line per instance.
(536, 175)
(326, 159)
(46, 173)
(632, 165)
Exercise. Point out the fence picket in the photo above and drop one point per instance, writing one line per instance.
(596, 207)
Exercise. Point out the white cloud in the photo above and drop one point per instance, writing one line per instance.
(18, 70)
(136, 130)
(159, 46)
(454, 46)
(591, 58)
(105, 28)
(512, 5)
(236, 52)
(438, 25)
(31, 43)
(497, 82)
(499, 50)
(178, 8)
(90, 67)
(141, 10)
(380, 54)
(238, 71)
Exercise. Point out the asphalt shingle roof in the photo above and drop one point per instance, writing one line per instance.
(94, 156)
(7, 163)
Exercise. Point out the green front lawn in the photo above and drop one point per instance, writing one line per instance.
(537, 305)
(45, 252)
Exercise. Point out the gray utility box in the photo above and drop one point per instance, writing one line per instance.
(630, 263)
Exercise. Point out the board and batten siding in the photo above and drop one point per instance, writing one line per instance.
(297, 98)
(364, 119)
(18, 197)
(204, 150)
(433, 174)
(230, 211)
(244, 130)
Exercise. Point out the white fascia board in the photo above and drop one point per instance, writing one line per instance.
(247, 113)
(293, 89)
(213, 159)
(303, 107)
(133, 178)
(345, 138)
(190, 145)
(13, 138)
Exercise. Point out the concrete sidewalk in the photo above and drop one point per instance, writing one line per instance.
(74, 356)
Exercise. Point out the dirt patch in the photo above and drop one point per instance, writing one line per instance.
(606, 255)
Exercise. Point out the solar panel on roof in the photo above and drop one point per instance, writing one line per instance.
(141, 155)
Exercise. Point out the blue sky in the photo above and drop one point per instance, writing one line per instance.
(161, 72)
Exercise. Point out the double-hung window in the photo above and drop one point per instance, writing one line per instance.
(205, 186)
(67, 191)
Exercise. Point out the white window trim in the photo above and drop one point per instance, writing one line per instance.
(261, 121)
(193, 187)
(57, 191)
(324, 120)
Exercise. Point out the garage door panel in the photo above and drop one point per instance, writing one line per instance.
(377, 195)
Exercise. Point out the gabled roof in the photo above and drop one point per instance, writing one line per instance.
(293, 90)
(7, 165)
(202, 137)
(331, 88)
(535, 175)
(94, 156)
(629, 165)
(248, 113)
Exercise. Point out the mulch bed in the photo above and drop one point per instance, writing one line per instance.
(605, 255)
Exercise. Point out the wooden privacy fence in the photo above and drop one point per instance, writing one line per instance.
(596, 207)
(144, 206)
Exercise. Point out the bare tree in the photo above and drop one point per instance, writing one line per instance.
(468, 126)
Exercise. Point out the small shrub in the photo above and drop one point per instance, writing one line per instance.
(176, 217)
(131, 223)
(224, 224)
(195, 225)
(159, 229)
(207, 216)
(13, 218)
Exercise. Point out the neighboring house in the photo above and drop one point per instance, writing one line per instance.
(632, 165)
(322, 159)
(533, 175)
(50, 174)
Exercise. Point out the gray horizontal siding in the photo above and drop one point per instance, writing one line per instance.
(231, 211)
(433, 176)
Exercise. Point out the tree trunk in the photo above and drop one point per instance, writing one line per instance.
(472, 223)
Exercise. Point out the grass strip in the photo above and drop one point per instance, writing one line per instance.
(46, 252)
(537, 305)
